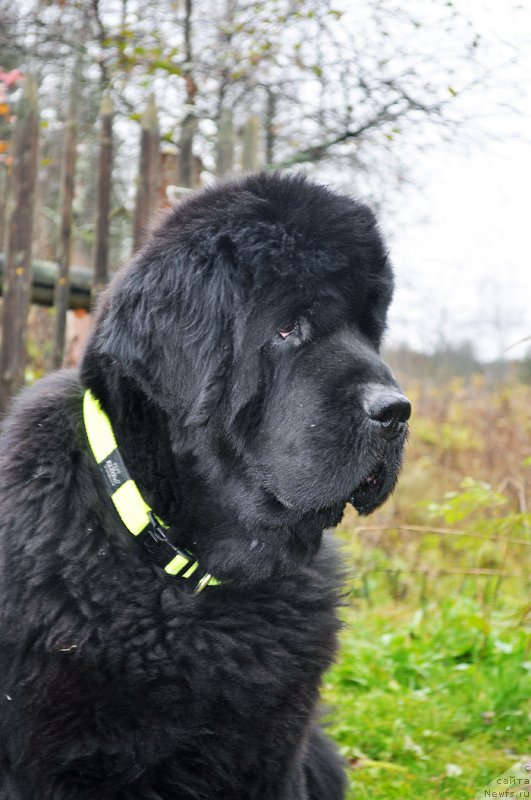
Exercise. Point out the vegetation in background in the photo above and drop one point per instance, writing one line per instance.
(431, 700)
(430, 696)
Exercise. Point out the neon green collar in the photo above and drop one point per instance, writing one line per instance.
(132, 509)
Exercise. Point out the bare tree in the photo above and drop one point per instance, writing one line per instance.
(101, 247)
(148, 173)
(346, 90)
(189, 123)
(68, 171)
(17, 275)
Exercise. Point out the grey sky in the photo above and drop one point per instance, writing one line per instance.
(461, 241)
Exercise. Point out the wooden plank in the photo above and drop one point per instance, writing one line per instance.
(44, 276)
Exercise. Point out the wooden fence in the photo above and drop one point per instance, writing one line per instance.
(26, 279)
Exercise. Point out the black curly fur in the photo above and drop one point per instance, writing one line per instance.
(117, 683)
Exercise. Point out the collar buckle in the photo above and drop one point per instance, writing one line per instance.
(159, 548)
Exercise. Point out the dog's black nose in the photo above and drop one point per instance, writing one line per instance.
(390, 408)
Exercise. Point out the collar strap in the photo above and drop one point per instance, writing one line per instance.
(132, 509)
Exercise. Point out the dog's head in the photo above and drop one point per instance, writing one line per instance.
(252, 321)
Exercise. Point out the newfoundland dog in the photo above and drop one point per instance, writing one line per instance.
(168, 598)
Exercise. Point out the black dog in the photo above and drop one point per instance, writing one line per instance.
(237, 360)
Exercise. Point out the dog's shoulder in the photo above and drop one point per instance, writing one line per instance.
(40, 447)
(41, 421)
(47, 392)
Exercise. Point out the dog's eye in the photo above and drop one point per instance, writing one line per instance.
(293, 329)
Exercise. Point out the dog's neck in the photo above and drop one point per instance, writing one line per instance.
(142, 434)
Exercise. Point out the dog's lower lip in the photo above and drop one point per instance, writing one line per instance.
(371, 482)
(368, 486)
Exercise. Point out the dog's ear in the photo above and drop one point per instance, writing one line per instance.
(167, 322)
(211, 387)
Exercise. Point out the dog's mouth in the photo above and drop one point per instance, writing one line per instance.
(368, 494)
(372, 490)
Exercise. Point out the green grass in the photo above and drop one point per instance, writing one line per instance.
(429, 702)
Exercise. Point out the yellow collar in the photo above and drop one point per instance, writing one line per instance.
(132, 509)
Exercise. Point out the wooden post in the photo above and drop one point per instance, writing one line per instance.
(250, 138)
(149, 171)
(189, 125)
(17, 277)
(169, 173)
(225, 143)
(68, 169)
(186, 161)
(101, 247)
(270, 133)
